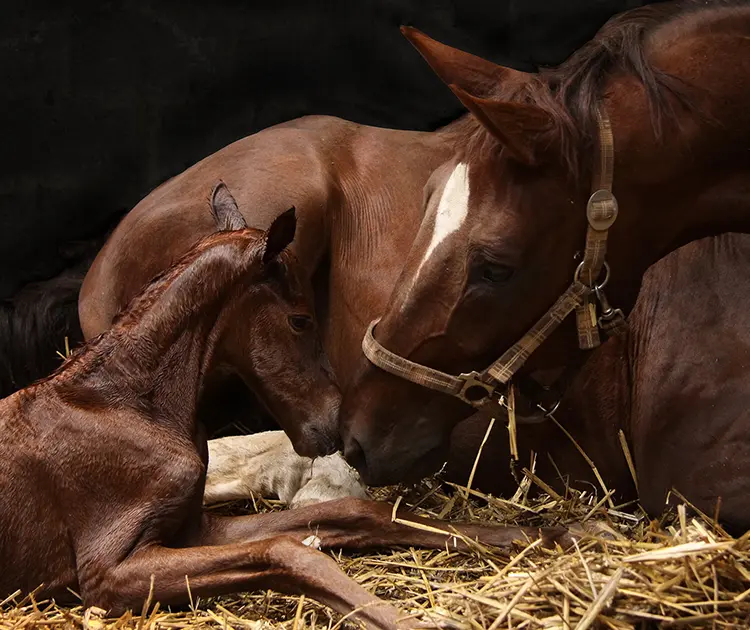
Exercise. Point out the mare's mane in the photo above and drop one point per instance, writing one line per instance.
(93, 353)
(571, 91)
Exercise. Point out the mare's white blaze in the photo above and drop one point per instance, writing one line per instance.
(449, 217)
(452, 209)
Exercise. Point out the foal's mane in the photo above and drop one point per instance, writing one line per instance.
(96, 351)
(570, 92)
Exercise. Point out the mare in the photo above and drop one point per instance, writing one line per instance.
(505, 216)
(358, 237)
(357, 188)
(675, 384)
(114, 520)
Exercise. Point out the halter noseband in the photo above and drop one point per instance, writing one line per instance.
(478, 388)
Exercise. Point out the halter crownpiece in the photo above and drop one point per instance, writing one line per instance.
(478, 388)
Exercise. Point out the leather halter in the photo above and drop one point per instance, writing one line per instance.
(478, 388)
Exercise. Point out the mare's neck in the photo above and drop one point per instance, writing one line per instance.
(369, 226)
(690, 184)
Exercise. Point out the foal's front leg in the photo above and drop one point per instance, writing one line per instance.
(359, 523)
(280, 563)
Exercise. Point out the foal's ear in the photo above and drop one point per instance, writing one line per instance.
(455, 67)
(518, 127)
(224, 208)
(279, 235)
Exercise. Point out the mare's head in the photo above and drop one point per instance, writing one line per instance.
(269, 335)
(502, 236)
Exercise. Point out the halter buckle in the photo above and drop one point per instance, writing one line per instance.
(608, 311)
(601, 210)
(475, 391)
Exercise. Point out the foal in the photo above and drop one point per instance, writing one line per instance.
(102, 465)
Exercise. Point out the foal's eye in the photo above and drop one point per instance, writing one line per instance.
(496, 272)
(300, 323)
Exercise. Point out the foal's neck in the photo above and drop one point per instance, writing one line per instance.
(155, 357)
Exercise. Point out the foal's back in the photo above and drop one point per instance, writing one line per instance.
(32, 526)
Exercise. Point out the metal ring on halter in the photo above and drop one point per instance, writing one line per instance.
(475, 391)
(599, 287)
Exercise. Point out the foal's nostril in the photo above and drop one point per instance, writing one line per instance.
(322, 441)
(355, 455)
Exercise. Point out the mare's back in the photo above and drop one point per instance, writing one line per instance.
(316, 163)
(690, 359)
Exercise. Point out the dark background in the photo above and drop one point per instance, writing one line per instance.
(102, 102)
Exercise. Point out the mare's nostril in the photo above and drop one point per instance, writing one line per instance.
(355, 455)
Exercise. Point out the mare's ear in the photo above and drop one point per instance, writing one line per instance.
(520, 128)
(455, 67)
(473, 80)
(225, 211)
(279, 235)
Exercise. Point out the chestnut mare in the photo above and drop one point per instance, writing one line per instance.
(660, 100)
(102, 465)
(358, 194)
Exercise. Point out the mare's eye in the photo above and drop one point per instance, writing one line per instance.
(300, 323)
(496, 272)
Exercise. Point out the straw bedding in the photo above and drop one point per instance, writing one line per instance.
(626, 572)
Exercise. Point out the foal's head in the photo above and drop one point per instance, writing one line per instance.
(268, 335)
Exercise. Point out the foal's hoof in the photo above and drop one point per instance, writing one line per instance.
(597, 529)
(553, 536)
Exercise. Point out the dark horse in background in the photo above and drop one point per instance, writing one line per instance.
(104, 103)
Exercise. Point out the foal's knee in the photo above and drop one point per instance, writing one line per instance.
(296, 557)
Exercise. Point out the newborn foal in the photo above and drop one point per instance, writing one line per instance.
(102, 465)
